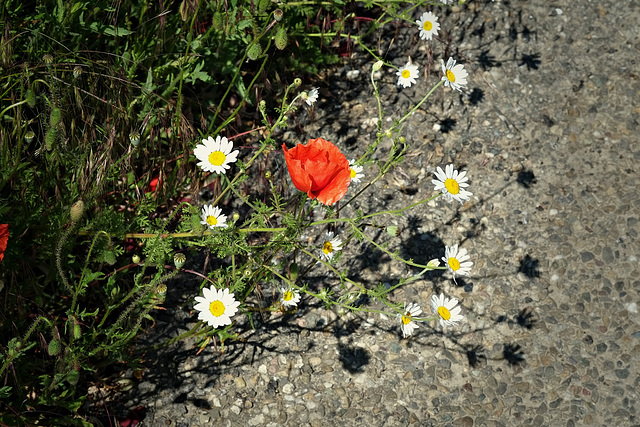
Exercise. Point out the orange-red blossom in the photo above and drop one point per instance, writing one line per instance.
(319, 169)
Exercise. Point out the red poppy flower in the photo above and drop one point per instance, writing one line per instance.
(319, 169)
(4, 239)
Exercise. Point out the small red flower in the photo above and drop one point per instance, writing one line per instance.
(319, 169)
(4, 239)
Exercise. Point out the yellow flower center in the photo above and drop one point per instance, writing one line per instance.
(327, 248)
(406, 74)
(444, 312)
(216, 308)
(406, 319)
(452, 186)
(353, 173)
(451, 76)
(288, 296)
(454, 264)
(427, 26)
(212, 220)
(217, 158)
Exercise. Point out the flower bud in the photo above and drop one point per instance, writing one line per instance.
(77, 331)
(277, 15)
(56, 117)
(247, 273)
(179, 259)
(402, 140)
(77, 71)
(267, 175)
(262, 105)
(135, 259)
(161, 289)
(434, 263)
(281, 38)
(392, 230)
(254, 51)
(134, 137)
(28, 137)
(31, 98)
(293, 271)
(47, 58)
(54, 347)
(109, 257)
(388, 133)
(50, 138)
(297, 82)
(77, 210)
(377, 65)
(235, 216)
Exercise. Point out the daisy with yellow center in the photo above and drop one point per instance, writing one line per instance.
(312, 96)
(330, 246)
(217, 306)
(456, 260)
(455, 76)
(451, 183)
(215, 155)
(356, 171)
(407, 75)
(290, 297)
(429, 25)
(213, 217)
(407, 323)
(447, 310)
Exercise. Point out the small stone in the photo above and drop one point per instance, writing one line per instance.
(315, 361)
(464, 422)
(287, 388)
(622, 373)
(235, 409)
(586, 256)
(256, 420)
(239, 382)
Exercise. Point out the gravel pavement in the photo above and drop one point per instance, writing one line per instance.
(548, 132)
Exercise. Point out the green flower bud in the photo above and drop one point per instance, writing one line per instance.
(235, 216)
(262, 104)
(254, 51)
(377, 65)
(77, 71)
(402, 140)
(217, 21)
(281, 38)
(297, 82)
(135, 259)
(109, 257)
(77, 210)
(54, 347)
(77, 331)
(56, 117)
(134, 137)
(179, 259)
(393, 230)
(47, 58)
(277, 14)
(50, 138)
(28, 137)
(161, 290)
(267, 175)
(31, 98)
(293, 271)
(388, 133)
(247, 273)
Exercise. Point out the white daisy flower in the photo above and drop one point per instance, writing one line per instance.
(456, 260)
(330, 246)
(290, 297)
(451, 183)
(446, 309)
(407, 324)
(407, 75)
(356, 171)
(215, 155)
(213, 217)
(217, 306)
(455, 76)
(312, 97)
(429, 26)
